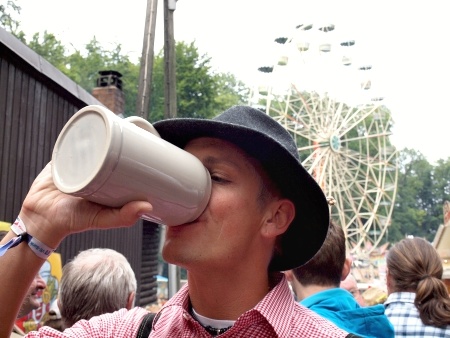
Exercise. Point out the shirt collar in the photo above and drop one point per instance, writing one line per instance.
(279, 297)
(403, 297)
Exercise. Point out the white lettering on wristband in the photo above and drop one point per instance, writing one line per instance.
(18, 227)
(39, 248)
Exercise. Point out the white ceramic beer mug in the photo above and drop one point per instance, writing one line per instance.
(111, 161)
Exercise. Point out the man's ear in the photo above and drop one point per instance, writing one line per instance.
(346, 268)
(289, 275)
(280, 214)
(130, 301)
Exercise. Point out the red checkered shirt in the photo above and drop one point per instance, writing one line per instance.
(276, 315)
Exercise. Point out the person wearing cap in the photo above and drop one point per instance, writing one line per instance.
(317, 287)
(266, 214)
(31, 300)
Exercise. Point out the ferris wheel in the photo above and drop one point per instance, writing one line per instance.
(341, 127)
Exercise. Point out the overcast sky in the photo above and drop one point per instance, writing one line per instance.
(404, 41)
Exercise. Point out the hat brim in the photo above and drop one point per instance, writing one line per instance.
(308, 230)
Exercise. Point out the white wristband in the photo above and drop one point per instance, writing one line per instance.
(18, 227)
(40, 249)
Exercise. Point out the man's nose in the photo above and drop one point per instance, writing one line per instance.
(40, 282)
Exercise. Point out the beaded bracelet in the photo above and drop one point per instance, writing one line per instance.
(18, 227)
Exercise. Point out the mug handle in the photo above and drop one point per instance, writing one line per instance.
(144, 124)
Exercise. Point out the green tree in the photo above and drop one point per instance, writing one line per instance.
(8, 12)
(230, 91)
(83, 66)
(415, 212)
(196, 89)
(201, 93)
(441, 181)
(51, 49)
(440, 193)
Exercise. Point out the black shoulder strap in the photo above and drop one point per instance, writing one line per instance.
(146, 325)
(351, 335)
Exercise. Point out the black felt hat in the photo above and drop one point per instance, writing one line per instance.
(266, 140)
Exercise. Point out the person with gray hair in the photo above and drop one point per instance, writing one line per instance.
(95, 282)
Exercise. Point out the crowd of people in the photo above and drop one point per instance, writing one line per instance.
(265, 229)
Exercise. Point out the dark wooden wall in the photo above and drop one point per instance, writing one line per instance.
(36, 100)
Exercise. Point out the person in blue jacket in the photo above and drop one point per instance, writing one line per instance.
(316, 286)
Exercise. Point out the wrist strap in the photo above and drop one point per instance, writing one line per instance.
(40, 249)
(18, 227)
(11, 244)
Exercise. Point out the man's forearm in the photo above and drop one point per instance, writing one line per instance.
(18, 267)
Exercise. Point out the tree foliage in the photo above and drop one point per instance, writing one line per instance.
(8, 21)
(422, 190)
(50, 48)
(201, 93)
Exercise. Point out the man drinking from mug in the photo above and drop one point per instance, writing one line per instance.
(266, 214)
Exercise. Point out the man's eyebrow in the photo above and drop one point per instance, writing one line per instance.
(212, 160)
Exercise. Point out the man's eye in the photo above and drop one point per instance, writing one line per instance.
(217, 178)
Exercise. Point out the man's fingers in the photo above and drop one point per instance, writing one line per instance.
(121, 217)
